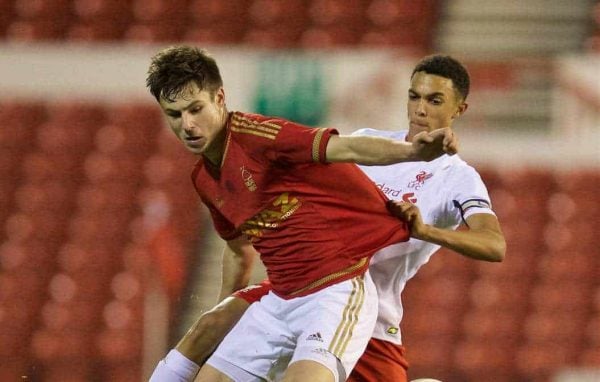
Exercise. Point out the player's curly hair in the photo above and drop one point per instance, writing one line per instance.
(174, 68)
(447, 67)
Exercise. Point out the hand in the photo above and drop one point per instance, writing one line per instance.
(430, 145)
(410, 214)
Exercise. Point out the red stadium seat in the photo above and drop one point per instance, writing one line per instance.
(144, 116)
(75, 260)
(19, 122)
(146, 33)
(490, 294)
(384, 13)
(64, 139)
(25, 257)
(444, 292)
(337, 12)
(124, 141)
(222, 34)
(573, 296)
(77, 114)
(122, 371)
(117, 346)
(491, 325)
(281, 36)
(22, 227)
(553, 327)
(407, 37)
(38, 168)
(447, 262)
(14, 369)
(483, 358)
(567, 266)
(516, 265)
(62, 347)
(422, 320)
(126, 286)
(331, 36)
(109, 12)
(541, 360)
(104, 168)
(42, 9)
(53, 197)
(590, 357)
(27, 31)
(78, 287)
(269, 13)
(592, 330)
(95, 32)
(429, 354)
(79, 316)
(159, 10)
(206, 12)
(108, 197)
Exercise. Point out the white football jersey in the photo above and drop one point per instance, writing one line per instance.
(446, 190)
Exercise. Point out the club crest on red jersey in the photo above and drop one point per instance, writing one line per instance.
(248, 181)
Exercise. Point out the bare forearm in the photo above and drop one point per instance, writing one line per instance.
(368, 150)
(486, 245)
(238, 259)
(235, 276)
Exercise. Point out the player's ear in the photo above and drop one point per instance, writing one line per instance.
(220, 96)
(460, 110)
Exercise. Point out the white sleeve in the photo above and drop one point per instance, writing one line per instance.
(468, 194)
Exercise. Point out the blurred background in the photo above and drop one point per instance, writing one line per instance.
(107, 257)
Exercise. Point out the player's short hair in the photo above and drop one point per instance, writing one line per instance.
(447, 67)
(173, 69)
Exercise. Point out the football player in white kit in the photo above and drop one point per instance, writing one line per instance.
(434, 197)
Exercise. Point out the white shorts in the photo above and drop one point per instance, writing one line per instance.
(331, 326)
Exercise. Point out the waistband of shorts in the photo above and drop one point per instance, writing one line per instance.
(356, 269)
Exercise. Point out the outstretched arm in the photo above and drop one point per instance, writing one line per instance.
(238, 259)
(483, 240)
(367, 150)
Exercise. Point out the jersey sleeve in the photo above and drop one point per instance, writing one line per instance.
(296, 143)
(468, 194)
(254, 293)
(280, 140)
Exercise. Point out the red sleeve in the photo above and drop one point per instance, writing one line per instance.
(282, 140)
(301, 144)
(254, 293)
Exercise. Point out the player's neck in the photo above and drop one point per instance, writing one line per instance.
(214, 153)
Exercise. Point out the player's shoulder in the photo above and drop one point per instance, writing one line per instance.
(255, 126)
(459, 170)
(397, 134)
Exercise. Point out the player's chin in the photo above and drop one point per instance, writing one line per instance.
(195, 150)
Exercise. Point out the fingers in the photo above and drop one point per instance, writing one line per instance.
(424, 137)
(450, 142)
(403, 210)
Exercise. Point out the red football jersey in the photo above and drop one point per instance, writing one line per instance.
(314, 224)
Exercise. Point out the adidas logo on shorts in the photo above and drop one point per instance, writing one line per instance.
(315, 337)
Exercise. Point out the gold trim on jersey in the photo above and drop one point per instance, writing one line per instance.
(226, 149)
(243, 125)
(324, 280)
(343, 333)
(317, 144)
